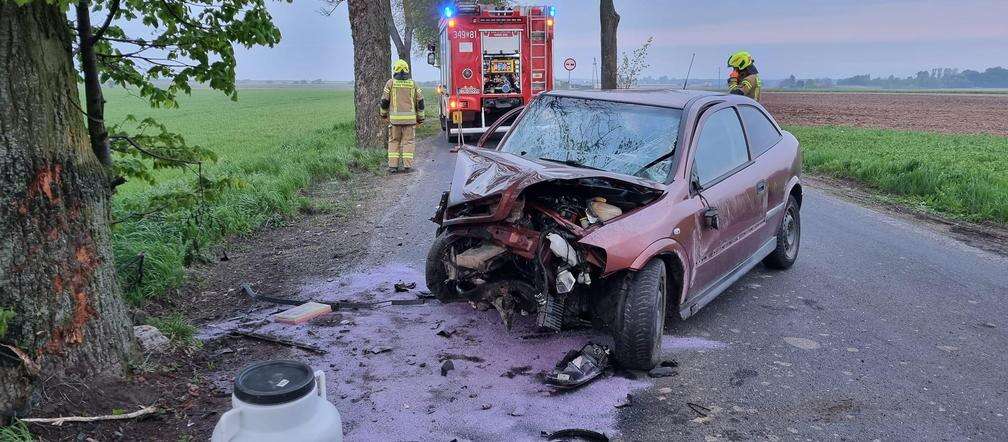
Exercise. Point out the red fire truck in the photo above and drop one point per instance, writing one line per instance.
(492, 60)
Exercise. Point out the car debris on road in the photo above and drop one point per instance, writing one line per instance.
(579, 367)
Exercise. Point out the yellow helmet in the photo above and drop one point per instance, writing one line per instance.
(740, 60)
(400, 66)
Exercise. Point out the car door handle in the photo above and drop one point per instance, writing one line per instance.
(761, 186)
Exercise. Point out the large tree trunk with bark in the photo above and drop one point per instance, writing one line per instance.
(609, 20)
(372, 61)
(56, 267)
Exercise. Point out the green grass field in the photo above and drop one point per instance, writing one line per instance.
(965, 176)
(274, 141)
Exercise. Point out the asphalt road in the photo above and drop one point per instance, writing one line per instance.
(883, 329)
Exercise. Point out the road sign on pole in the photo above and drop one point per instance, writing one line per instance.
(569, 64)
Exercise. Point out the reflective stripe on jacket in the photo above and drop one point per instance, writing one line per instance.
(404, 102)
(749, 85)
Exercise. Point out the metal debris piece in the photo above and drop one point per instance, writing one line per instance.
(279, 340)
(662, 372)
(447, 366)
(625, 402)
(379, 349)
(698, 409)
(404, 286)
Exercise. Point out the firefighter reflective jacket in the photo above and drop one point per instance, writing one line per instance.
(402, 102)
(749, 85)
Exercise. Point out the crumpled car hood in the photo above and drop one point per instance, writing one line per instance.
(482, 172)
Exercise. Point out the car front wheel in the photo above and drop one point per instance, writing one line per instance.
(640, 316)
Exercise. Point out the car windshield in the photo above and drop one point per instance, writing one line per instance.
(625, 138)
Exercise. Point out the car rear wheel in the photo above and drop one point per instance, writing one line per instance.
(640, 316)
(788, 238)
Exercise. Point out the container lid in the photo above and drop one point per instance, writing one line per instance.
(274, 382)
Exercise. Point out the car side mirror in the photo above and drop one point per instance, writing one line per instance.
(430, 59)
(695, 183)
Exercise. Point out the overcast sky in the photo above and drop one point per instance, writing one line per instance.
(807, 38)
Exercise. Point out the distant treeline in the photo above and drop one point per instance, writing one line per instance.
(945, 78)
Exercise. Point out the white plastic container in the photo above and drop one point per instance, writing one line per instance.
(279, 401)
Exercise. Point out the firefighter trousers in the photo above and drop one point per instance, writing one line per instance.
(401, 145)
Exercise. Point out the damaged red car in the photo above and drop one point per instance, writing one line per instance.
(611, 208)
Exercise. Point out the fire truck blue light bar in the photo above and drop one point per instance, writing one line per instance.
(449, 12)
(552, 11)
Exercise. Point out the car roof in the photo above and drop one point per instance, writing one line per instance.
(676, 98)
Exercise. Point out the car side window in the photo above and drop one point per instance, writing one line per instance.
(762, 133)
(721, 146)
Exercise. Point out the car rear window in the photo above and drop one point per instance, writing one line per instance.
(721, 146)
(762, 133)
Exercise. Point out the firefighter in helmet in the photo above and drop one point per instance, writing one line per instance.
(402, 105)
(744, 78)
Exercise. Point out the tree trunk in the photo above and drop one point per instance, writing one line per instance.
(403, 43)
(372, 61)
(56, 268)
(609, 20)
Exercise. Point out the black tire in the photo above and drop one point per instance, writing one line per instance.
(640, 316)
(788, 238)
(436, 273)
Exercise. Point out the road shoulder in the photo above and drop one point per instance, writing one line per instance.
(985, 236)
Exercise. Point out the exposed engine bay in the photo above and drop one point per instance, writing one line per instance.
(530, 262)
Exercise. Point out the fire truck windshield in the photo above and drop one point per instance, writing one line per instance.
(616, 137)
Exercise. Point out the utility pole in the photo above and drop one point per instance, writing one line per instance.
(594, 71)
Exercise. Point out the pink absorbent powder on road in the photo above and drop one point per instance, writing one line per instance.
(384, 367)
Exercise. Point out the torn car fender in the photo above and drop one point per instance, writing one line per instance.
(665, 246)
(624, 240)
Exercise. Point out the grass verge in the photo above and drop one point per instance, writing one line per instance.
(269, 141)
(961, 175)
(17, 432)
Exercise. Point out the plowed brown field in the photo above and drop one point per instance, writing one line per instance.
(958, 113)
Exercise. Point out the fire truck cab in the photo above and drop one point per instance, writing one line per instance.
(492, 60)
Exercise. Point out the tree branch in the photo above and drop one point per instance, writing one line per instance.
(137, 146)
(113, 10)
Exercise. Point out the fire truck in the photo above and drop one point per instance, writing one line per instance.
(492, 60)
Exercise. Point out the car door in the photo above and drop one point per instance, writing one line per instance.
(773, 165)
(731, 194)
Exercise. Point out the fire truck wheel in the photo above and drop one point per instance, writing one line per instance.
(640, 316)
